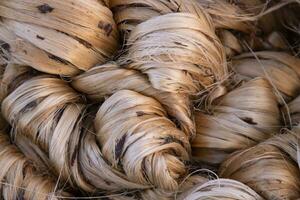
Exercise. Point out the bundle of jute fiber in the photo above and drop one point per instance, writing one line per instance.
(241, 118)
(13, 76)
(281, 69)
(220, 189)
(269, 168)
(179, 52)
(137, 137)
(187, 184)
(288, 143)
(104, 80)
(54, 36)
(154, 193)
(267, 20)
(197, 187)
(129, 13)
(52, 115)
(20, 179)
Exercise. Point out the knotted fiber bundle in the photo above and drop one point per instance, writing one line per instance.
(20, 179)
(52, 116)
(57, 37)
(242, 118)
(104, 80)
(137, 137)
(179, 52)
(270, 168)
(281, 69)
(129, 13)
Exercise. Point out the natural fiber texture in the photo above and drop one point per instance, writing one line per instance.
(179, 99)
(179, 52)
(20, 179)
(293, 111)
(242, 118)
(288, 143)
(266, 169)
(220, 189)
(53, 36)
(129, 13)
(187, 184)
(13, 76)
(235, 45)
(281, 69)
(48, 112)
(130, 124)
(104, 80)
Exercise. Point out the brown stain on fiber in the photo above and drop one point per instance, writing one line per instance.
(249, 120)
(74, 155)
(119, 146)
(45, 8)
(6, 47)
(53, 57)
(108, 28)
(140, 113)
(40, 37)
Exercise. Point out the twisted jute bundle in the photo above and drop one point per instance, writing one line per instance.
(104, 80)
(271, 168)
(281, 69)
(129, 13)
(19, 177)
(139, 146)
(54, 36)
(242, 118)
(179, 52)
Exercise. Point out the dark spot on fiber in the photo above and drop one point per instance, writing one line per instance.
(21, 79)
(81, 41)
(106, 182)
(249, 120)
(108, 28)
(74, 155)
(171, 139)
(29, 106)
(45, 8)
(58, 59)
(40, 37)
(140, 113)
(20, 193)
(25, 52)
(119, 147)
(6, 46)
(144, 169)
(185, 71)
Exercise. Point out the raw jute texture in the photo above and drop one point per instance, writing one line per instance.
(149, 99)
(54, 36)
(21, 179)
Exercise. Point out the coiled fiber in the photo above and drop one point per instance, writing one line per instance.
(152, 99)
